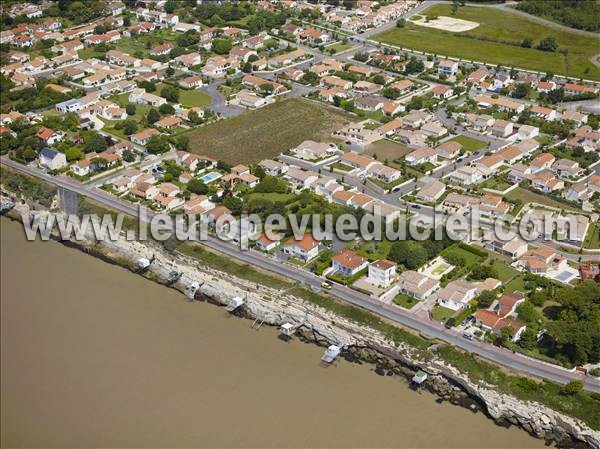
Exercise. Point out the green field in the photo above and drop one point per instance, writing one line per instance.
(468, 143)
(592, 240)
(192, 98)
(386, 149)
(470, 258)
(527, 196)
(497, 40)
(266, 132)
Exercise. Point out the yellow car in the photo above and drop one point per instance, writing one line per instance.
(326, 285)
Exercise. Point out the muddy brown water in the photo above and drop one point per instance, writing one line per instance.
(95, 356)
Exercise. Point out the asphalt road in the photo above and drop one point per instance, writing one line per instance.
(424, 326)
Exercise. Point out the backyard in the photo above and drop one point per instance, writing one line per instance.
(468, 143)
(266, 132)
(498, 39)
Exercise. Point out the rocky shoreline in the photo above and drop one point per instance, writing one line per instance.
(361, 344)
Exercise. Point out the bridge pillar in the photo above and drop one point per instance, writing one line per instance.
(69, 201)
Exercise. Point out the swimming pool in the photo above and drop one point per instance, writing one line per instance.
(210, 177)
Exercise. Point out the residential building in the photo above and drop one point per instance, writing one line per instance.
(382, 273)
(417, 285)
(52, 159)
(307, 248)
(348, 263)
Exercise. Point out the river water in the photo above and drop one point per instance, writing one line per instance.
(95, 356)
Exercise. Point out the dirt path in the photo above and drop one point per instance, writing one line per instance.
(596, 60)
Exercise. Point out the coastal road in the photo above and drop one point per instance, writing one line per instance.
(424, 326)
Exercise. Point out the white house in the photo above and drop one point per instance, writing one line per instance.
(52, 159)
(382, 272)
(306, 248)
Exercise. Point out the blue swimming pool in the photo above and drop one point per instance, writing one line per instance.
(210, 177)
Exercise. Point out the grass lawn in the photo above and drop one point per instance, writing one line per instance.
(89, 53)
(339, 47)
(496, 183)
(469, 144)
(192, 98)
(386, 149)
(497, 40)
(375, 250)
(441, 314)
(528, 196)
(440, 269)
(408, 302)
(517, 284)
(266, 132)
(471, 259)
(505, 273)
(592, 240)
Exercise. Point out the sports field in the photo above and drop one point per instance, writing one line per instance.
(266, 132)
(497, 40)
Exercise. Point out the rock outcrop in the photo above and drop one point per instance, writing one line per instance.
(361, 344)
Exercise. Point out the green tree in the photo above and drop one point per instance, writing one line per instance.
(573, 387)
(166, 109)
(408, 253)
(130, 127)
(157, 145)
(128, 156)
(480, 272)
(92, 141)
(153, 116)
(528, 339)
(521, 91)
(130, 109)
(73, 154)
(170, 93)
(234, 204)
(548, 44)
(485, 299)
(221, 46)
(194, 118)
(310, 78)
(197, 186)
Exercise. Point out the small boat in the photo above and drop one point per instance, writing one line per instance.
(419, 377)
(235, 303)
(331, 353)
(5, 206)
(173, 277)
(287, 329)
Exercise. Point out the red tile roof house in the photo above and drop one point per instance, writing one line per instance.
(144, 136)
(163, 49)
(347, 263)
(264, 243)
(491, 321)
(307, 248)
(542, 260)
(49, 136)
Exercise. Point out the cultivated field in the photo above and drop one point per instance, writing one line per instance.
(497, 40)
(268, 131)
